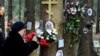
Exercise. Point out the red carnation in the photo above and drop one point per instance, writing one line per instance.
(30, 36)
(43, 42)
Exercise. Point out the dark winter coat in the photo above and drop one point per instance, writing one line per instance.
(1, 39)
(1, 42)
(15, 46)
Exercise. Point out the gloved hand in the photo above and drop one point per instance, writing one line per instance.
(30, 36)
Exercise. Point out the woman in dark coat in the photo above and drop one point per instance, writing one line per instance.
(15, 45)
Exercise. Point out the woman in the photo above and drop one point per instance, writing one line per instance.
(15, 45)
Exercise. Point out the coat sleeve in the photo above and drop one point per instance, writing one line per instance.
(32, 45)
(1, 39)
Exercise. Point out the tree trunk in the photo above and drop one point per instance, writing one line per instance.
(30, 15)
(85, 44)
(37, 17)
(10, 15)
(9, 10)
(68, 51)
(20, 5)
(85, 33)
(33, 13)
(98, 18)
(56, 9)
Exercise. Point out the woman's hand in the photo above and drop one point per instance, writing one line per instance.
(35, 39)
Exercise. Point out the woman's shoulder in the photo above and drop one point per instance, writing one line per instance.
(13, 38)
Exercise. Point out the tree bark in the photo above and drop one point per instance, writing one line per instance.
(68, 51)
(86, 42)
(56, 18)
(98, 18)
(20, 4)
(30, 14)
(37, 17)
(9, 10)
(33, 13)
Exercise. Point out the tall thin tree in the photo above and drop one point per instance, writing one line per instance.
(98, 18)
(20, 5)
(30, 15)
(10, 15)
